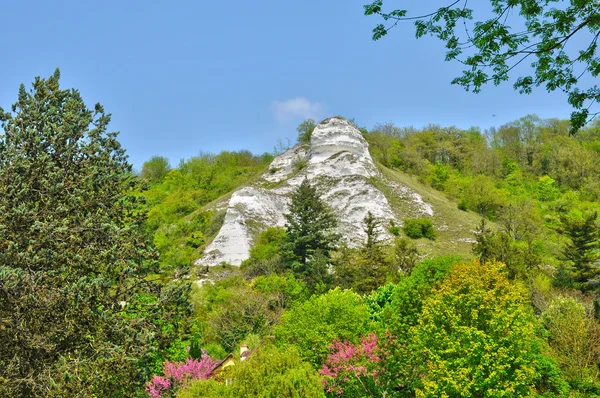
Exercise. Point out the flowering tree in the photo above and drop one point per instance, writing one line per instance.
(366, 369)
(178, 374)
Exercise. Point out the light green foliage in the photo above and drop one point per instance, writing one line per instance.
(574, 337)
(439, 176)
(72, 250)
(305, 130)
(155, 169)
(282, 290)
(482, 196)
(467, 344)
(314, 324)
(490, 49)
(269, 372)
(417, 228)
(181, 228)
(546, 189)
(525, 175)
(378, 300)
(230, 309)
(265, 255)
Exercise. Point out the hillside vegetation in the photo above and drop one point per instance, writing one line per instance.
(383, 322)
(89, 307)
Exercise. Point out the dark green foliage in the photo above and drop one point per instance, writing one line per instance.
(394, 229)
(519, 256)
(419, 228)
(483, 246)
(490, 49)
(582, 250)
(78, 313)
(310, 236)
(410, 292)
(305, 130)
(406, 256)
(372, 264)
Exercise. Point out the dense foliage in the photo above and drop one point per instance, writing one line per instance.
(87, 308)
(79, 311)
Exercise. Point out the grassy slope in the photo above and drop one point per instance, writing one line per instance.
(455, 227)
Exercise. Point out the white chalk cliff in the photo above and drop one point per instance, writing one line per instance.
(338, 162)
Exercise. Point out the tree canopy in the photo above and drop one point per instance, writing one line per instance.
(558, 39)
(74, 261)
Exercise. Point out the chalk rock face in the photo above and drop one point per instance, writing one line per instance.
(338, 162)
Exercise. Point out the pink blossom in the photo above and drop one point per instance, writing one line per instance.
(348, 362)
(177, 374)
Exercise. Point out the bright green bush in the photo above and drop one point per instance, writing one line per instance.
(314, 324)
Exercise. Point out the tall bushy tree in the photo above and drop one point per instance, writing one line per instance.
(310, 235)
(155, 169)
(476, 335)
(582, 249)
(372, 262)
(73, 260)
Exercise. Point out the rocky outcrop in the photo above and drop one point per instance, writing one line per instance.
(337, 160)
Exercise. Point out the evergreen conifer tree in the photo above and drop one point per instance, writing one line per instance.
(372, 264)
(582, 249)
(73, 259)
(310, 235)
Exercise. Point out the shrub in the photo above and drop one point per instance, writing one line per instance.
(179, 374)
(419, 228)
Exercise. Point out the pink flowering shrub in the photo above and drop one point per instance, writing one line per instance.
(360, 369)
(178, 374)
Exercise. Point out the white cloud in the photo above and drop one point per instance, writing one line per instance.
(298, 107)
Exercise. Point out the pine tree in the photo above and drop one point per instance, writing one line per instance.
(310, 234)
(372, 264)
(582, 250)
(73, 258)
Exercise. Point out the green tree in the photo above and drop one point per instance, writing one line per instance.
(582, 249)
(268, 372)
(73, 259)
(575, 341)
(155, 169)
(313, 325)
(310, 235)
(490, 49)
(406, 256)
(476, 336)
(371, 262)
(305, 130)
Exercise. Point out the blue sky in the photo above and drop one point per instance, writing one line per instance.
(203, 76)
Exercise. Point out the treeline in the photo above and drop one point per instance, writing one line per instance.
(529, 177)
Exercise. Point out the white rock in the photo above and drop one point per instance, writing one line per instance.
(338, 162)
